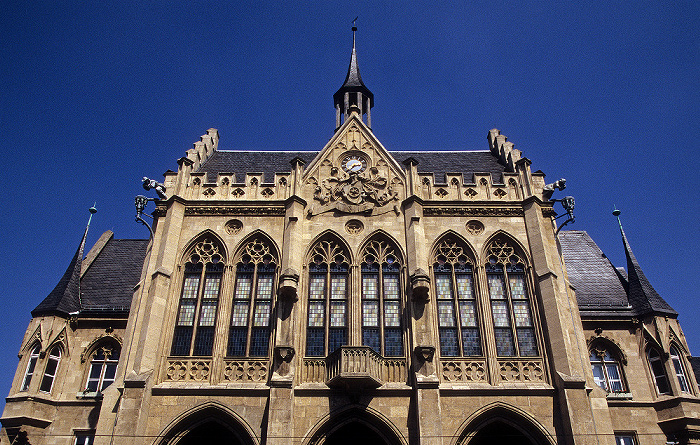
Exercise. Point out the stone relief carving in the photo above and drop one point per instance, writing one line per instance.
(355, 192)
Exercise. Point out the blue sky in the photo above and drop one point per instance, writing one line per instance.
(97, 95)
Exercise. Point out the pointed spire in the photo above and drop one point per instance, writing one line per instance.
(640, 293)
(65, 297)
(353, 92)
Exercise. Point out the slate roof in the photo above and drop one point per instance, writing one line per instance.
(106, 287)
(241, 162)
(597, 283)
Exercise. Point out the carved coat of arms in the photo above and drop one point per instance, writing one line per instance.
(355, 193)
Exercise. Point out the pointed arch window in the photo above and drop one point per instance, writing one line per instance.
(510, 302)
(657, 369)
(458, 319)
(327, 326)
(607, 371)
(51, 369)
(103, 368)
(679, 369)
(199, 301)
(381, 299)
(31, 365)
(249, 333)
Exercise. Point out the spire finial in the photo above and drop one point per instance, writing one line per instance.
(354, 29)
(616, 213)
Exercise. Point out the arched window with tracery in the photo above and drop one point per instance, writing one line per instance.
(607, 370)
(31, 365)
(199, 300)
(679, 369)
(381, 299)
(657, 369)
(327, 327)
(511, 307)
(51, 369)
(103, 367)
(458, 319)
(249, 333)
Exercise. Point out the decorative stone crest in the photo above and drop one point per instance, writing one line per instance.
(234, 226)
(354, 227)
(355, 192)
(475, 227)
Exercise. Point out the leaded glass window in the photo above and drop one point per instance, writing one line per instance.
(679, 369)
(327, 322)
(103, 368)
(251, 316)
(511, 307)
(657, 369)
(199, 301)
(31, 365)
(607, 372)
(51, 369)
(381, 299)
(458, 315)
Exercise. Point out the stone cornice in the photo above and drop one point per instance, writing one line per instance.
(237, 210)
(473, 211)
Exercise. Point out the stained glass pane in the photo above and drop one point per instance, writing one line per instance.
(527, 342)
(259, 342)
(504, 342)
(243, 285)
(446, 316)
(182, 339)
(207, 317)
(517, 287)
(392, 317)
(336, 339)
(465, 290)
(501, 318)
(314, 342)
(317, 287)
(240, 314)
(467, 313)
(261, 316)
(265, 286)
(370, 313)
(189, 289)
(522, 313)
(186, 317)
(236, 342)
(369, 286)
(337, 315)
(211, 285)
(471, 342)
(370, 337)
(443, 286)
(391, 287)
(204, 341)
(496, 287)
(449, 344)
(338, 287)
(393, 342)
(317, 313)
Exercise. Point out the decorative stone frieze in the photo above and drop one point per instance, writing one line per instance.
(521, 370)
(472, 211)
(245, 371)
(235, 211)
(192, 370)
(463, 371)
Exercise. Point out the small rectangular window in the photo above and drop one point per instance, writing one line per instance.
(625, 439)
(84, 439)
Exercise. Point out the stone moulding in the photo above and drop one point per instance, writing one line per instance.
(235, 211)
(472, 211)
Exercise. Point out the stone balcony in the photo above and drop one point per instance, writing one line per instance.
(355, 367)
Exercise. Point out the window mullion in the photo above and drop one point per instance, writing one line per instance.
(198, 307)
(381, 309)
(457, 309)
(511, 311)
(251, 308)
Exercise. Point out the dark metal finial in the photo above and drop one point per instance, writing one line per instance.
(354, 28)
(616, 212)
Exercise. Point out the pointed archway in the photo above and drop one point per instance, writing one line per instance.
(500, 432)
(355, 433)
(210, 433)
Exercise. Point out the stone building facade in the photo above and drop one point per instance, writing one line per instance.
(353, 294)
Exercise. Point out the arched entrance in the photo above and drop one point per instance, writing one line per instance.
(208, 424)
(501, 423)
(499, 432)
(355, 433)
(210, 433)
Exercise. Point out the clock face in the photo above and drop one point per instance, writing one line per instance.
(354, 164)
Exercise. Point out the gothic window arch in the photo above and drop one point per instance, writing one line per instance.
(31, 365)
(329, 282)
(656, 363)
(103, 366)
(199, 300)
(249, 331)
(51, 369)
(381, 298)
(457, 307)
(679, 369)
(607, 368)
(510, 301)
